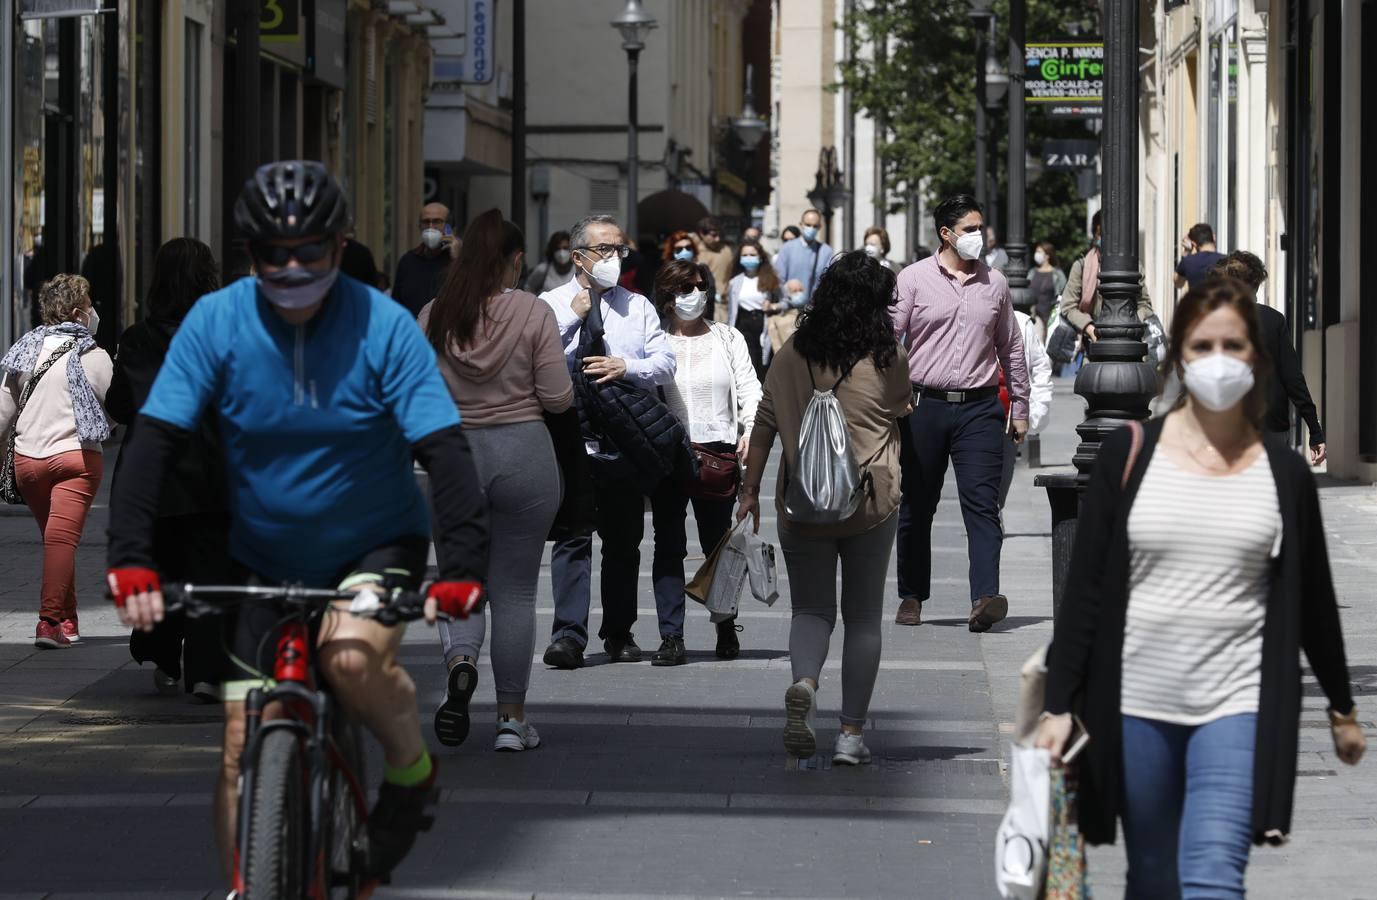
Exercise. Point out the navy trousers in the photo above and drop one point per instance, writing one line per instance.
(972, 436)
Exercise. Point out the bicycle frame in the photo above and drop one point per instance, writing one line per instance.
(308, 711)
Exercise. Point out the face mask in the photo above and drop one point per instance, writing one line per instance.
(686, 254)
(92, 320)
(1218, 381)
(562, 257)
(297, 288)
(874, 251)
(605, 272)
(1039, 257)
(431, 237)
(796, 298)
(688, 307)
(750, 263)
(970, 245)
(809, 232)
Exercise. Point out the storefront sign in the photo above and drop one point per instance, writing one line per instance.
(58, 9)
(279, 30)
(470, 60)
(327, 20)
(1066, 78)
(1070, 155)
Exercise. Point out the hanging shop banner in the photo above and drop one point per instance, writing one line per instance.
(1070, 155)
(1066, 78)
(467, 58)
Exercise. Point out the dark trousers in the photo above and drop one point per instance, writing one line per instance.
(972, 436)
(621, 525)
(751, 324)
(669, 509)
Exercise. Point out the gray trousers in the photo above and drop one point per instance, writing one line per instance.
(520, 478)
(812, 566)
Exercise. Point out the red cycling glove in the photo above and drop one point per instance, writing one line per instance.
(456, 599)
(125, 583)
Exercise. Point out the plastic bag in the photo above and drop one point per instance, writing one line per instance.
(729, 576)
(1021, 843)
(760, 568)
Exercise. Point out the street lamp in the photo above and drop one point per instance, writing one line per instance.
(634, 25)
(750, 130)
(996, 79)
(982, 18)
(829, 191)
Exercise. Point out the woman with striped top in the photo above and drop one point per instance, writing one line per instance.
(1199, 572)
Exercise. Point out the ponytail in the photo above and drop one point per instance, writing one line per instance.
(474, 278)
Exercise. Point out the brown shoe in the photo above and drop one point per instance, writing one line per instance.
(910, 612)
(987, 611)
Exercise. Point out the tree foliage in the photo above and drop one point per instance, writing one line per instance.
(922, 89)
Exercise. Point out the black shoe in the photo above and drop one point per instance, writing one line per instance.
(671, 653)
(622, 649)
(452, 718)
(728, 647)
(564, 654)
(399, 815)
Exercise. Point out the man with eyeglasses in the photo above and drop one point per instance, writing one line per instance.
(324, 390)
(639, 352)
(423, 268)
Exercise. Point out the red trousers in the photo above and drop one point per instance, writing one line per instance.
(59, 491)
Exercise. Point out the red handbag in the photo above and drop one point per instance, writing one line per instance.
(719, 474)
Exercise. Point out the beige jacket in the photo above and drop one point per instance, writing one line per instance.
(872, 401)
(1070, 306)
(48, 425)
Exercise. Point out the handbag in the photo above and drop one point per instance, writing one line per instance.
(9, 487)
(719, 474)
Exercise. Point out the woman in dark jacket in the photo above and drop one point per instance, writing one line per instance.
(1199, 572)
(192, 520)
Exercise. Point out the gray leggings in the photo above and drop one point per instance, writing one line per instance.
(812, 566)
(520, 478)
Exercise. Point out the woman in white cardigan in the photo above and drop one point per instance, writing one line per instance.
(715, 393)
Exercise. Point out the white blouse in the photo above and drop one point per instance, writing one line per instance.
(750, 298)
(715, 391)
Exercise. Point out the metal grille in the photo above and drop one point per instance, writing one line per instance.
(604, 195)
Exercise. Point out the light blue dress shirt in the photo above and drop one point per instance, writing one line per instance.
(631, 330)
(797, 260)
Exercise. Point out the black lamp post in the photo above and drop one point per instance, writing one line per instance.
(635, 24)
(981, 16)
(1117, 383)
(1015, 224)
(750, 130)
(829, 191)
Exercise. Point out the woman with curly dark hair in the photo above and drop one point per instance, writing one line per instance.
(845, 341)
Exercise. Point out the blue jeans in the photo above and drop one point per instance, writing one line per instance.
(1187, 807)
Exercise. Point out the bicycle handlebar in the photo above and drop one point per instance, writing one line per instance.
(388, 607)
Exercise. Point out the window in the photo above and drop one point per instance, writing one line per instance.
(192, 118)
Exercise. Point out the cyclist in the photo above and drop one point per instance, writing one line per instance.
(324, 390)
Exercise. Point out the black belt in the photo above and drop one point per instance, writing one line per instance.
(966, 396)
(749, 312)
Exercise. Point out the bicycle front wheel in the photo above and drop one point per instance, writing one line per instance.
(277, 821)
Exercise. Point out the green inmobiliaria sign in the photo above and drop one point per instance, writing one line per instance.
(1066, 78)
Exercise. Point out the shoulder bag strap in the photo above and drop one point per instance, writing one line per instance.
(1136, 433)
(813, 272)
(37, 374)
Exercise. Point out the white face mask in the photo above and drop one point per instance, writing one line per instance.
(1218, 381)
(605, 272)
(688, 307)
(874, 251)
(970, 245)
(796, 297)
(562, 257)
(431, 237)
(92, 320)
(1039, 257)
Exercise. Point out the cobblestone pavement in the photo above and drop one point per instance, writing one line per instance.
(651, 782)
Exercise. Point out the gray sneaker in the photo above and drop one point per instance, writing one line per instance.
(799, 737)
(850, 751)
(514, 736)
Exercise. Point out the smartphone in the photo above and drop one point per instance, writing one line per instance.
(449, 230)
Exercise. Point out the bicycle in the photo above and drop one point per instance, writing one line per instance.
(302, 796)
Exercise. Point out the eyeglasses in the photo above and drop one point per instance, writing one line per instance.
(605, 251)
(278, 255)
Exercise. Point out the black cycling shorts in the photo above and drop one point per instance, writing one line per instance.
(253, 643)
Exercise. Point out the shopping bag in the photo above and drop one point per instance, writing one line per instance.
(760, 568)
(729, 577)
(701, 583)
(1066, 870)
(1021, 844)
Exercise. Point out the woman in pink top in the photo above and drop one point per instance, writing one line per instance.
(501, 355)
(53, 420)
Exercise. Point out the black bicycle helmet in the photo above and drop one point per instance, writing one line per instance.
(291, 199)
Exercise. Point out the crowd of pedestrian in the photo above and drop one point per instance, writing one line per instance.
(576, 404)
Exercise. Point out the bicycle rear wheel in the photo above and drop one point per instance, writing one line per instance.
(278, 824)
(343, 834)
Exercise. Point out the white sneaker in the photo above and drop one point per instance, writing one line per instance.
(851, 750)
(799, 737)
(514, 736)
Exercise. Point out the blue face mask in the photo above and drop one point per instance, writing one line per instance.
(686, 254)
(750, 263)
(809, 232)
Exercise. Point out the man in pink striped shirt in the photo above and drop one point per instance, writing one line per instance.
(955, 316)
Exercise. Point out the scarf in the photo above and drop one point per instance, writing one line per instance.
(91, 423)
(1090, 280)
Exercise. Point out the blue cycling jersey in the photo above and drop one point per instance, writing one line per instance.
(317, 422)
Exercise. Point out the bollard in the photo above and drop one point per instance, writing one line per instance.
(1064, 496)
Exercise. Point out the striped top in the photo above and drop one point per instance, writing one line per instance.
(1200, 551)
